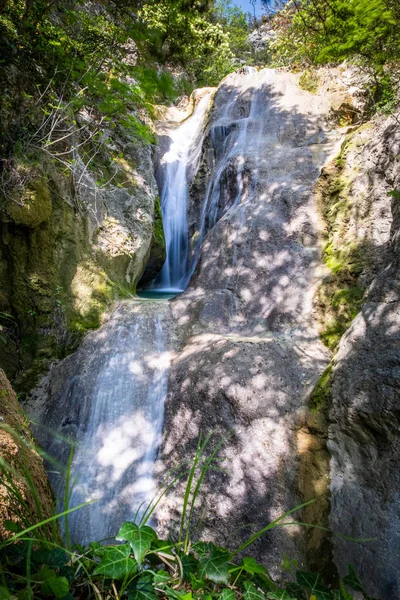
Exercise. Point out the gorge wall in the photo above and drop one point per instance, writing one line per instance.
(72, 240)
(294, 242)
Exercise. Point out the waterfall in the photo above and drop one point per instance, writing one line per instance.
(233, 133)
(263, 154)
(112, 405)
(115, 455)
(177, 165)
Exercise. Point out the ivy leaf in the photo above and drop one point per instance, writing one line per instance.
(116, 562)
(139, 538)
(203, 548)
(251, 592)
(313, 582)
(196, 584)
(214, 565)
(144, 589)
(353, 581)
(51, 558)
(161, 578)
(178, 594)
(51, 584)
(189, 565)
(228, 594)
(251, 566)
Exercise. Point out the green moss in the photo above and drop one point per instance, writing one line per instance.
(159, 238)
(309, 81)
(340, 296)
(321, 396)
(32, 206)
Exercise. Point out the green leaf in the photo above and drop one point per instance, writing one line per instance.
(52, 584)
(214, 565)
(353, 581)
(251, 592)
(12, 526)
(203, 548)
(251, 566)
(116, 562)
(161, 578)
(59, 587)
(51, 558)
(144, 589)
(228, 594)
(189, 565)
(178, 594)
(280, 595)
(313, 582)
(196, 584)
(139, 538)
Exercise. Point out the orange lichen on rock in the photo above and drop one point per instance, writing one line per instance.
(18, 454)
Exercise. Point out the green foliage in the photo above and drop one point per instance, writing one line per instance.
(314, 32)
(190, 38)
(235, 22)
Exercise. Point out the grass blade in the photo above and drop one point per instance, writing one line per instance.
(271, 525)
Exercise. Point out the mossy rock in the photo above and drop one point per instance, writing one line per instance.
(33, 207)
(309, 81)
(321, 396)
(21, 504)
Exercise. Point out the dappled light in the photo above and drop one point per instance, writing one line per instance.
(112, 410)
(238, 353)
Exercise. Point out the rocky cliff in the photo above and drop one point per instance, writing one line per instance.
(285, 343)
(72, 240)
(364, 391)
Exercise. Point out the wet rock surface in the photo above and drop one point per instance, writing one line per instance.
(248, 353)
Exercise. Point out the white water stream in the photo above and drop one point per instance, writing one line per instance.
(115, 453)
(177, 164)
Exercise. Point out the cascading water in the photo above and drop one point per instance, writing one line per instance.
(176, 165)
(115, 456)
(231, 136)
(112, 406)
(109, 396)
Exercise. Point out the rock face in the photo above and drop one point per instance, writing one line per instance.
(248, 352)
(245, 357)
(364, 431)
(17, 451)
(261, 38)
(69, 244)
